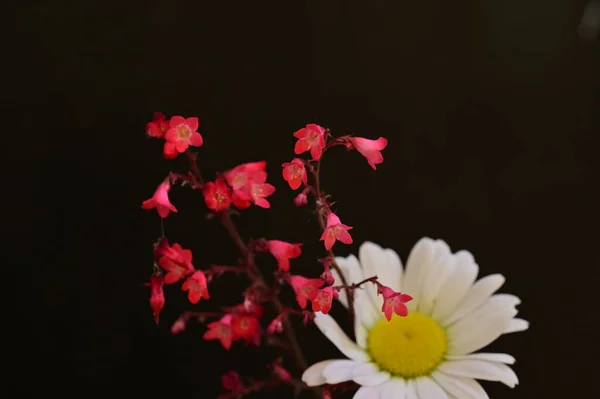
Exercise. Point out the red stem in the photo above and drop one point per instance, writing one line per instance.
(322, 216)
(254, 274)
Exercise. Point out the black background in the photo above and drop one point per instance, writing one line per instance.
(490, 108)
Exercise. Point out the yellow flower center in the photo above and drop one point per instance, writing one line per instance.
(409, 346)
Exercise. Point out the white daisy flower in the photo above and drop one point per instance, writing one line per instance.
(429, 353)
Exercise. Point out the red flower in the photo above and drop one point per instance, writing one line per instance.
(306, 289)
(275, 326)
(301, 199)
(246, 327)
(242, 175)
(294, 173)
(231, 381)
(160, 200)
(220, 330)
(175, 260)
(196, 287)
(283, 252)
(323, 300)
(158, 127)
(157, 296)
(393, 302)
(248, 182)
(217, 195)
(181, 134)
(259, 193)
(311, 137)
(335, 230)
(370, 149)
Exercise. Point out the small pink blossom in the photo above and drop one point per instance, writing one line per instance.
(157, 296)
(393, 302)
(335, 230)
(158, 126)
(294, 173)
(175, 260)
(181, 134)
(220, 330)
(242, 180)
(311, 137)
(275, 326)
(370, 149)
(323, 300)
(301, 199)
(305, 289)
(160, 200)
(259, 193)
(196, 287)
(283, 252)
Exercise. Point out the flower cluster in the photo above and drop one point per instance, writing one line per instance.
(239, 188)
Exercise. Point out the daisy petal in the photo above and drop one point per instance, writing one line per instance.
(460, 387)
(334, 333)
(516, 325)
(457, 285)
(368, 393)
(367, 374)
(477, 295)
(394, 389)
(339, 371)
(313, 376)
(420, 257)
(385, 264)
(472, 333)
(493, 305)
(481, 370)
(490, 357)
(411, 390)
(437, 276)
(429, 389)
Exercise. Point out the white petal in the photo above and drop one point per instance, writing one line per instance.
(429, 389)
(437, 276)
(419, 259)
(456, 286)
(383, 263)
(364, 308)
(368, 393)
(334, 333)
(477, 295)
(494, 305)
(481, 370)
(361, 333)
(313, 376)
(411, 390)
(466, 338)
(339, 371)
(516, 325)
(460, 387)
(490, 357)
(394, 389)
(352, 273)
(368, 374)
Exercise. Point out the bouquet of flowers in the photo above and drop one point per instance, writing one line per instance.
(416, 326)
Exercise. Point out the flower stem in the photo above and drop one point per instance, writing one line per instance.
(255, 274)
(322, 216)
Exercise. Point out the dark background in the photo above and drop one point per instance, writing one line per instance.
(490, 108)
